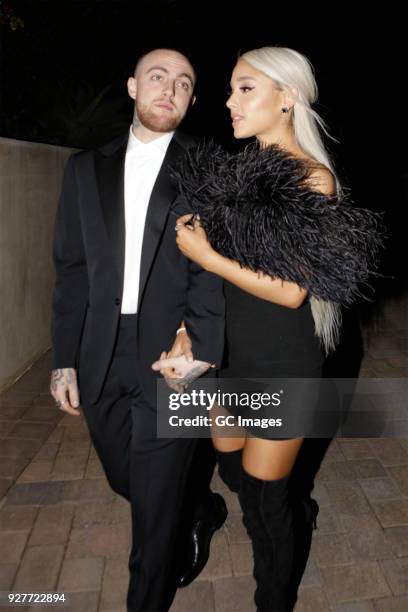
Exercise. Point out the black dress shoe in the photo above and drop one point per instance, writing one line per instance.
(196, 549)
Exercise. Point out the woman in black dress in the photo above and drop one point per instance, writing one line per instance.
(280, 314)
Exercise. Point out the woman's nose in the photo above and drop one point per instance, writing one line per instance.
(230, 102)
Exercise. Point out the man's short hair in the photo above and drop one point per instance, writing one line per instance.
(165, 49)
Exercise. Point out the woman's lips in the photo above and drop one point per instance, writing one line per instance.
(236, 119)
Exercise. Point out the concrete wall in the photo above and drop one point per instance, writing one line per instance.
(30, 182)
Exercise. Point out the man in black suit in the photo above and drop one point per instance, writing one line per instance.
(122, 289)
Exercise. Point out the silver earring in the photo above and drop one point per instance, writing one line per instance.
(285, 109)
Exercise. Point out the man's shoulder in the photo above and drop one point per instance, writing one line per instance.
(186, 140)
(112, 146)
(105, 149)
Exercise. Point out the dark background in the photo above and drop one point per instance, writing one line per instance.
(64, 72)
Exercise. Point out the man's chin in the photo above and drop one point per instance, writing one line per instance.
(159, 124)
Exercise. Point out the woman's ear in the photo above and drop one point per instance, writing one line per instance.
(290, 97)
(294, 93)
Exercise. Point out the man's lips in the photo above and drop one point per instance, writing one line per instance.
(164, 105)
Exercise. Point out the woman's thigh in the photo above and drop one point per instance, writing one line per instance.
(270, 459)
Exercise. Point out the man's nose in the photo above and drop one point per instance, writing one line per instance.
(169, 88)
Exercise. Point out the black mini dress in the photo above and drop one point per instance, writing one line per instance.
(270, 349)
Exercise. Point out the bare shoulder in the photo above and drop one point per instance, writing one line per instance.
(321, 179)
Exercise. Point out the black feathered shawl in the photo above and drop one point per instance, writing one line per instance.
(258, 209)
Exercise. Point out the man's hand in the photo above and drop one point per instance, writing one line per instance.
(181, 372)
(182, 345)
(64, 389)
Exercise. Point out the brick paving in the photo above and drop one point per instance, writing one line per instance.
(63, 529)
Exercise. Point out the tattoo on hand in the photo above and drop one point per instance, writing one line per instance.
(56, 378)
(70, 376)
(60, 379)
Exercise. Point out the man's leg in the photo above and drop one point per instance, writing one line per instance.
(158, 474)
(110, 426)
(199, 477)
(203, 513)
(148, 471)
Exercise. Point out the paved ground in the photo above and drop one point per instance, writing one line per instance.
(61, 527)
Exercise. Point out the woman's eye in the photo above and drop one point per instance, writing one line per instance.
(245, 89)
(184, 85)
(156, 77)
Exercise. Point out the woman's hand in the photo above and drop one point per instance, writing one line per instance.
(182, 347)
(183, 371)
(192, 241)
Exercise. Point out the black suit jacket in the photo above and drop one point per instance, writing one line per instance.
(89, 250)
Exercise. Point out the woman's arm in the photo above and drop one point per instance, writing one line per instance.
(261, 285)
(193, 243)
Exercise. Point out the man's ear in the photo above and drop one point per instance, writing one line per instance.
(193, 100)
(132, 87)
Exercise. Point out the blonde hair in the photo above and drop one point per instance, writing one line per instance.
(290, 70)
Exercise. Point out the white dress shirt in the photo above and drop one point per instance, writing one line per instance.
(142, 164)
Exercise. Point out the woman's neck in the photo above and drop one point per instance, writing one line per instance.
(285, 138)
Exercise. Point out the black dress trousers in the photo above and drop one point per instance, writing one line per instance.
(148, 471)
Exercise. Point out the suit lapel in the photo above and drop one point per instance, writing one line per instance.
(110, 173)
(163, 195)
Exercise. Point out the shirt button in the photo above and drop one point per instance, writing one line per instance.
(117, 302)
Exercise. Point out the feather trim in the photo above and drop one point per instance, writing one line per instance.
(258, 209)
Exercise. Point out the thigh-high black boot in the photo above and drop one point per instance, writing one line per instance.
(304, 521)
(268, 521)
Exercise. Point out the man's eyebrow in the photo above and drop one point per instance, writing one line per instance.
(157, 68)
(183, 74)
(188, 76)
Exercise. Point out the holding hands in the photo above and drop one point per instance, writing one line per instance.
(178, 366)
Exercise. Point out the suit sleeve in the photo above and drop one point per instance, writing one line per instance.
(71, 291)
(205, 314)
